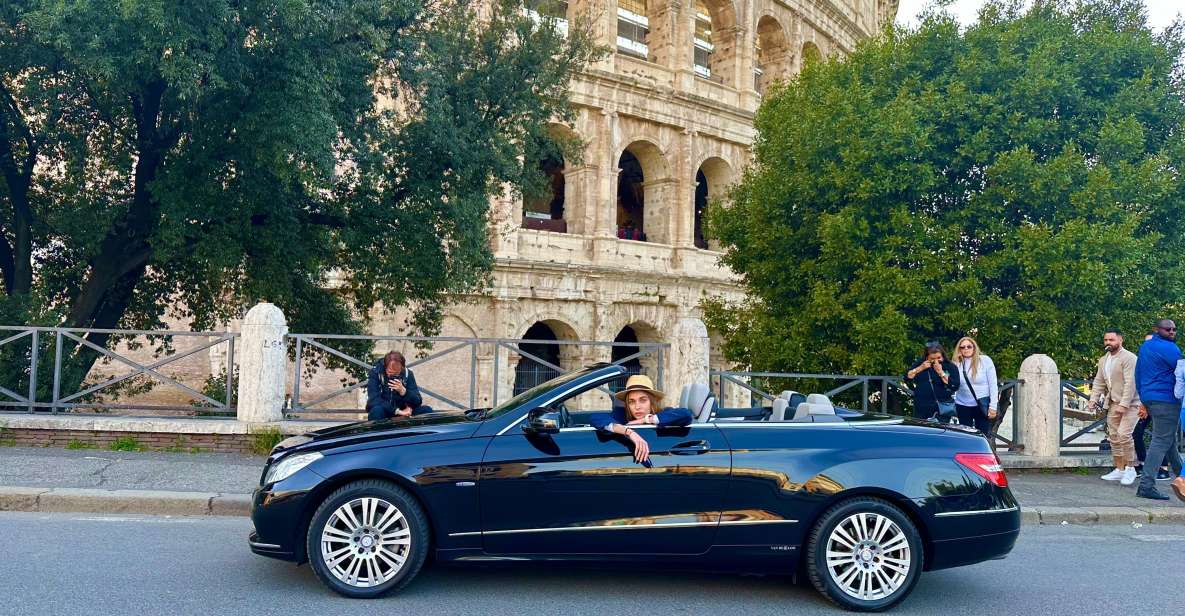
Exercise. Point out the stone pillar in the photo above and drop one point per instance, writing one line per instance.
(1038, 398)
(263, 364)
(689, 355)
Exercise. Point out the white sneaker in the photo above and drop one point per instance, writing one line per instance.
(1114, 475)
(1129, 476)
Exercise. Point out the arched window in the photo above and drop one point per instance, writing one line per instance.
(632, 364)
(631, 198)
(633, 28)
(531, 372)
(773, 54)
(810, 53)
(546, 212)
(701, 204)
(702, 39)
(711, 180)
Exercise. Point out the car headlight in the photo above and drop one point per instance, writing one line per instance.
(289, 465)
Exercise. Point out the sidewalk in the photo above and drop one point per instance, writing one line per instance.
(98, 481)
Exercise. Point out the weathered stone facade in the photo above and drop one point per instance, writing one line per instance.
(575, 274)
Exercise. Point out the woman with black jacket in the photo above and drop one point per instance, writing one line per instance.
(934, 380)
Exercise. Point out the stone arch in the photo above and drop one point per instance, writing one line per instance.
(811, 53)
(712, 178)
(644, 185)
(629, 335)
(713, 40)
(550, 211)
(774, 56)
(528, 371)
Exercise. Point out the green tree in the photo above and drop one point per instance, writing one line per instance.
(1020, 179)
(195, 157)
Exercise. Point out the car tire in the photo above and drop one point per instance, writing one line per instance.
(367, 539)
(864, 554)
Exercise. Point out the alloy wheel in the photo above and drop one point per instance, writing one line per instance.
(868, 556)
(365, 542)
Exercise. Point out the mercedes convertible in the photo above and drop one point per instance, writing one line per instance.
(858, 504)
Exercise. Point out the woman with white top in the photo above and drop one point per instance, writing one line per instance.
(978, 396)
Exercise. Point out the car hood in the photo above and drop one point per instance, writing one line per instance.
(398, 431)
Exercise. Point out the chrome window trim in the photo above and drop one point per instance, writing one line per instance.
(518, 531)
(548, 401)
(951, 514)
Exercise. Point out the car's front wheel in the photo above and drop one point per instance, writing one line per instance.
(367, 539)
(864, 554)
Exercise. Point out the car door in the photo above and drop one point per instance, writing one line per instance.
(580, 492)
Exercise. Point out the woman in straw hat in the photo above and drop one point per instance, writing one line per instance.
(641, 408)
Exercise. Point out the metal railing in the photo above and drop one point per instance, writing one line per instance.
(476, 376)
(27, 365)
(857, 392)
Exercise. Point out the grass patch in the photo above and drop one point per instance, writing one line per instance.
(179, 445)
(6, 437)
(77, 444)
(126, 443)
(265, 440)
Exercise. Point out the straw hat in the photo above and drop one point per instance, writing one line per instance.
(639, 382)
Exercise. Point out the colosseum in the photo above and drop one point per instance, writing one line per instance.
(616, 252)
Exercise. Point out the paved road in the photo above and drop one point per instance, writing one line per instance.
(71, 563)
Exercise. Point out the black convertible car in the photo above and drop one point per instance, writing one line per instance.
(859, 504)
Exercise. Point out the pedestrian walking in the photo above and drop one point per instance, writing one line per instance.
(978, 395)
(1114, 389)
(1179, 391)
(1155, 382)
(934, 380)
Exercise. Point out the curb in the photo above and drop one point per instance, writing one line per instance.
(156, 502)
(147, 502)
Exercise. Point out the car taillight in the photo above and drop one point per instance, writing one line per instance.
(986, 465)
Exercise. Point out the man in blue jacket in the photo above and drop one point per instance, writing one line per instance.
(391, 390)
(1155, 381)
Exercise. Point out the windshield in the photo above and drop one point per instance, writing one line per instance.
(533, 392)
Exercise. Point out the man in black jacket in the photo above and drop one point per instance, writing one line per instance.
(391, 389)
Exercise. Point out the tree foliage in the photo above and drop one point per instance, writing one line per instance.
(193, 158)
(1020, 180)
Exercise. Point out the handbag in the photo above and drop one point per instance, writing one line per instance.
(946, 410)
(979, 402)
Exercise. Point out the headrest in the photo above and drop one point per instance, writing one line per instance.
(802, 411)
(819, 399)
(684, 395)
(822, 409)
(700, 401)
(785, 395)
(780, 407)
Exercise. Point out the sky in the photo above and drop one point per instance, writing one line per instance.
(1160, 12)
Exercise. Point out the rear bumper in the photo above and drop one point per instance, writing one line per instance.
(959, 540)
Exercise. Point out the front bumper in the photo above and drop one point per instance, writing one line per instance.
(279, 512)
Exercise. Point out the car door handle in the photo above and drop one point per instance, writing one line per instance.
(691, 448)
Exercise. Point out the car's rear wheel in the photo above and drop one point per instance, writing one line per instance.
(864, 554)
(367, 539)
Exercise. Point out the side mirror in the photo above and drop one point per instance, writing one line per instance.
(542, 420)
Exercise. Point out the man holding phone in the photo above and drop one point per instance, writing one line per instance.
(391, 390)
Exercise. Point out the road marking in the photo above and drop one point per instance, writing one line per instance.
(154, 520)
(1153, 538)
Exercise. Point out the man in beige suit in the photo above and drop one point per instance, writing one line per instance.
(1114, 389)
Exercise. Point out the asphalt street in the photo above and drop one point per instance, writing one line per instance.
(92, 564)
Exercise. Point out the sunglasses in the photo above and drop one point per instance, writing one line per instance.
(965, 346)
